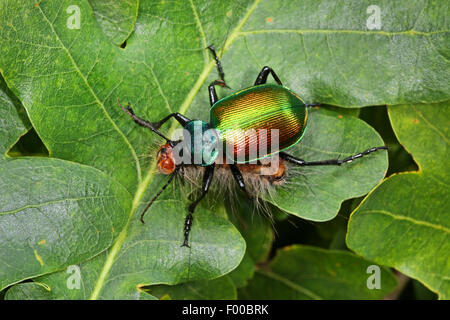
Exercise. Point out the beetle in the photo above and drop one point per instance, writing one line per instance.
(262, 107)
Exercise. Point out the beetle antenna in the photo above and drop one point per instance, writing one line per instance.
(220, 82)
(158, 194)
(143, 122)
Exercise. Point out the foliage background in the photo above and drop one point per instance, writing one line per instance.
(75, 171)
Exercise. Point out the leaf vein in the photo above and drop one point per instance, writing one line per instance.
(200, 30)
(290, 284)
(38, 205)
(431, 125)
(150, 174)
(133, 152)
(158, 85)
(409, 219)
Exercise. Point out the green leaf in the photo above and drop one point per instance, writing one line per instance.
(303, 272)
(243, 272)
(28, 291)
(316, 193)
(40, 291)
(53, 213)
(257, 231)
(404, 222)
(217, 289)
(69, 79)
(399, 159)
(254, 223)
(325, 52)
(14, 121)
(116, 18)
(69, 213)
(152, 254)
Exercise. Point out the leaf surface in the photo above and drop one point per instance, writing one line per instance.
(404, 222)
(116, 18)
(53, 213)
(302, 272)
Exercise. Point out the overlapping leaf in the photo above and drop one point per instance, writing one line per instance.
(53, 213)
(302, 272)
(316, 193)
(14, 121)
(404, 222)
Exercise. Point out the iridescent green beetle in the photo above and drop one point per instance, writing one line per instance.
(263, 109)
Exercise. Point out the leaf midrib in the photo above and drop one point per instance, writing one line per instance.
(409, 219)
(290, 284)
(142, 187)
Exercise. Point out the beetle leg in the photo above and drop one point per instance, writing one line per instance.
(144, 123)
(336, 162)
(178, 116)
(212, 94)
(212, 90)
(158, 194)
(221, 82)
(207, 178)
(153, 125)
(262, 77)
(239, 179)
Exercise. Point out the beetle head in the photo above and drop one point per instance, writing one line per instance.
(166, 161)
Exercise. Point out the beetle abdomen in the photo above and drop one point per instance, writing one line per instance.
(260, 108)
(257, 182)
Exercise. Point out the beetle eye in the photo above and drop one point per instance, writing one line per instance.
(163, 150)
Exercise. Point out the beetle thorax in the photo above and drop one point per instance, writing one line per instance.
(202, 142)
